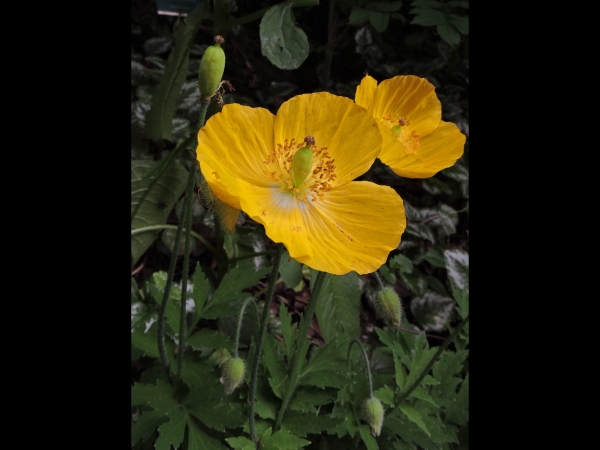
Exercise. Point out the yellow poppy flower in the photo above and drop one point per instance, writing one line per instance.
(416, 142)
(293, 173)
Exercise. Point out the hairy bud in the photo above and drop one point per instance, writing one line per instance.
(389, 307)
(232, 374)
(372, 413)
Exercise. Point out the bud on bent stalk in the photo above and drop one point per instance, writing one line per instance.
(233, 373)
(389, 307)
(212, 66)
(372, 413)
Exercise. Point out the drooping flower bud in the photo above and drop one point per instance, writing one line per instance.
(389, 307)
(302, 162)
(372, 413)
(232, 374)
(212, 66)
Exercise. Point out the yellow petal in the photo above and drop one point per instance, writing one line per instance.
(231, 148)
(410, 97)
(437, 151)
(365, 92)
(348, 131)
(354, 227)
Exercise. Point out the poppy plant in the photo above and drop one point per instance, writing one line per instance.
(416, 142)
(294, 174)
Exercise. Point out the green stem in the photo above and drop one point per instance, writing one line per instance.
(364, 352)
(174, 227)
(189, 192)
(203, 107)
(167, 291)
(440, 350)
(239, 325)
(381, 287)
(261, 337)
(301, 347)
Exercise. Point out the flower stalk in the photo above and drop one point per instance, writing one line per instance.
(261, 337)
(301, 347)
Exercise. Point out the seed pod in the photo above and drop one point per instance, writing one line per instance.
(302, 162)
(372, 413)
(211, 69)
(389, 307)
(232, 374)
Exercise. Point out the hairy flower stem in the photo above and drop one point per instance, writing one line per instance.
(167, 291)
(435, 357)
(381, 287)
(364, 352)
(189, 196)
(239, 324)
(261, 337)
(302, 345)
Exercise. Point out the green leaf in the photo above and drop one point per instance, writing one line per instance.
(213, 412)
(307, 399)
(201, 289)
(462, 298)
(241, 443)
(152, 201)
(420, 358)
(432, 311)
(379, 20)
(212, 339)
(461, 23)
(358, 15)
(428, 17)
(457, 263)
(339, 306)
(420, 393)
(414, 415)
(199, 440)
(196, 375)
(281, 41)
(159, 121)
(401, 263)
(384, 6)
(171, 433)
(303, 424)
(282, 440)
(290, 270)
(229, 289)
(458, 411)
(386, 395)
(415, 282)
(288, 331)
(400, 372)
(146, 342)
(388, 276)
(145, 424)
(448, 33)
(435, 258)
(367, 438)
(420, 230)
(159, 396)
(157, 45)
(274, 363)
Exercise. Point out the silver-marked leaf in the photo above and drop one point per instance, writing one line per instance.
(432, 311)
(281, 40)
(157, 45)
(457, 263)
(152, 200)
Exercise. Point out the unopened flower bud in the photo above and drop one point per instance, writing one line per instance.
(389, 307)
(233, 372)
(372, 413)
(212, 66)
